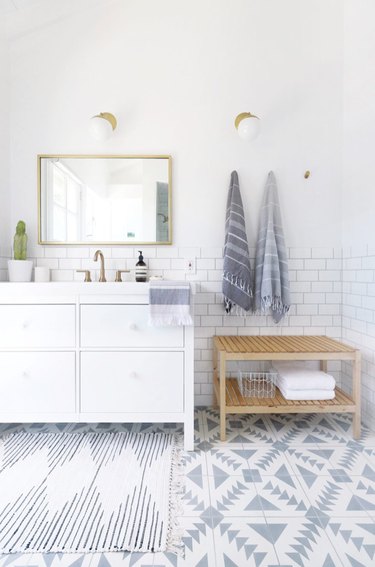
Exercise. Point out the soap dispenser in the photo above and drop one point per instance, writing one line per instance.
(140, 269)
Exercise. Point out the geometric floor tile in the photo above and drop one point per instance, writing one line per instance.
(233, 496)
(363, 489)
(354, 540)
(196, 497)
(336, 498)
(282, 496)
(241, 429)
(312, 461)
(244, 542)
(302, 543)
(227, 461)
(287, 490)
(199, 548)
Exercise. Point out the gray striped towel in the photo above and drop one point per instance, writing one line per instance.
(237, 274)
(271, 264)
(170, 303)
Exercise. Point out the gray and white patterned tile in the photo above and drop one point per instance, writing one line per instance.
(244, 542)
(301, 543)
(227, 461)
(351, 460)
(353, 540)
(343, 425)
(234, 496)
(334, 498)
(55, 560)
(195, 463)
(306, 429)
(198, 546)
(240, 429)
(309, 460)
(369, 455)
(121, 559)
(282, 495)
(18, 560)
(196, 497)
(363, 490)
(267, 461)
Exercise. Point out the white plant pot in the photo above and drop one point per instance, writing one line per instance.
(20, 270)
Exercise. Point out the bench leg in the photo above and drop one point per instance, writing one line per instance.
(357, 395)
(323, 365)
(222, 378)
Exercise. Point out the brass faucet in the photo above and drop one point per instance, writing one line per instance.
(99, 254)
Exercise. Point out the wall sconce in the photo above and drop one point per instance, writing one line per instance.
(248, 125)
(102, 125)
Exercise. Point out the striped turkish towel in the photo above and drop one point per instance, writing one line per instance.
(237, 275)
(170, 303)
(271, 265)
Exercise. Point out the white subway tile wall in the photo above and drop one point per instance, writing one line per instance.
(358, 321)
(333, 293)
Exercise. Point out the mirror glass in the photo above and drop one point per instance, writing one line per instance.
(104, 199)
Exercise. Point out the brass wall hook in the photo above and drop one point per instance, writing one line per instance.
(307, 174)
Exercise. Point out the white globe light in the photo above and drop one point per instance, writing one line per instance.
(102, 125)
(248, 128)
(100, 129)
(248, 125)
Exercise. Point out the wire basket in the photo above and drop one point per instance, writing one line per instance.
(257, 384)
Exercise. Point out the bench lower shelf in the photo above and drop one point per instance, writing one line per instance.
(236, 403)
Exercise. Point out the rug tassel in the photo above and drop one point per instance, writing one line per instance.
(177, 486)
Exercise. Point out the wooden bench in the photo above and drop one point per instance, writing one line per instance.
(237, 348)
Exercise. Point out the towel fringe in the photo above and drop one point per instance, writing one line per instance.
(235, 309)
(172, 320)
(275, 303)
(238, 282)
(177, 486)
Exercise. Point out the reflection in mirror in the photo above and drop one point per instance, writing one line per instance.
(100, 199)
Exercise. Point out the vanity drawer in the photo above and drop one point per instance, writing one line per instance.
(37, 326)
(132, 382)
(122, 326)
(42, 382)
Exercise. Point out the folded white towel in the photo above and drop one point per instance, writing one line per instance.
(302, 378)
(307, 394)
(308, 364)
(297, 375)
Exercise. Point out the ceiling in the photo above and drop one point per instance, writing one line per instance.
(20, 17)
(9, 6)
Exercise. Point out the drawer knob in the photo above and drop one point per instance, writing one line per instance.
(133, 327)
(25, 324)
(25, 374)
(133, 375)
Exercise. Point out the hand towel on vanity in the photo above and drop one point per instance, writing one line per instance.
(236, 274)
(170, 303)
(271, 264)
(307, 394)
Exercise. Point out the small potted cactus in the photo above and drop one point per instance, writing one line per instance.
(19, 268)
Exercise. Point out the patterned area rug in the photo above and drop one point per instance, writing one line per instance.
(88, 492)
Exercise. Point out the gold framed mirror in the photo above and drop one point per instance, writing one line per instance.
(104, 199)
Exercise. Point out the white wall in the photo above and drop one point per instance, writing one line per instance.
(359, 124)
(358, 309)
(176, 74)
(4, 148)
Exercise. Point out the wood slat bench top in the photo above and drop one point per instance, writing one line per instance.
(280, 344)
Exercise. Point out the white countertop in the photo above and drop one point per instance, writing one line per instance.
(70, 290)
